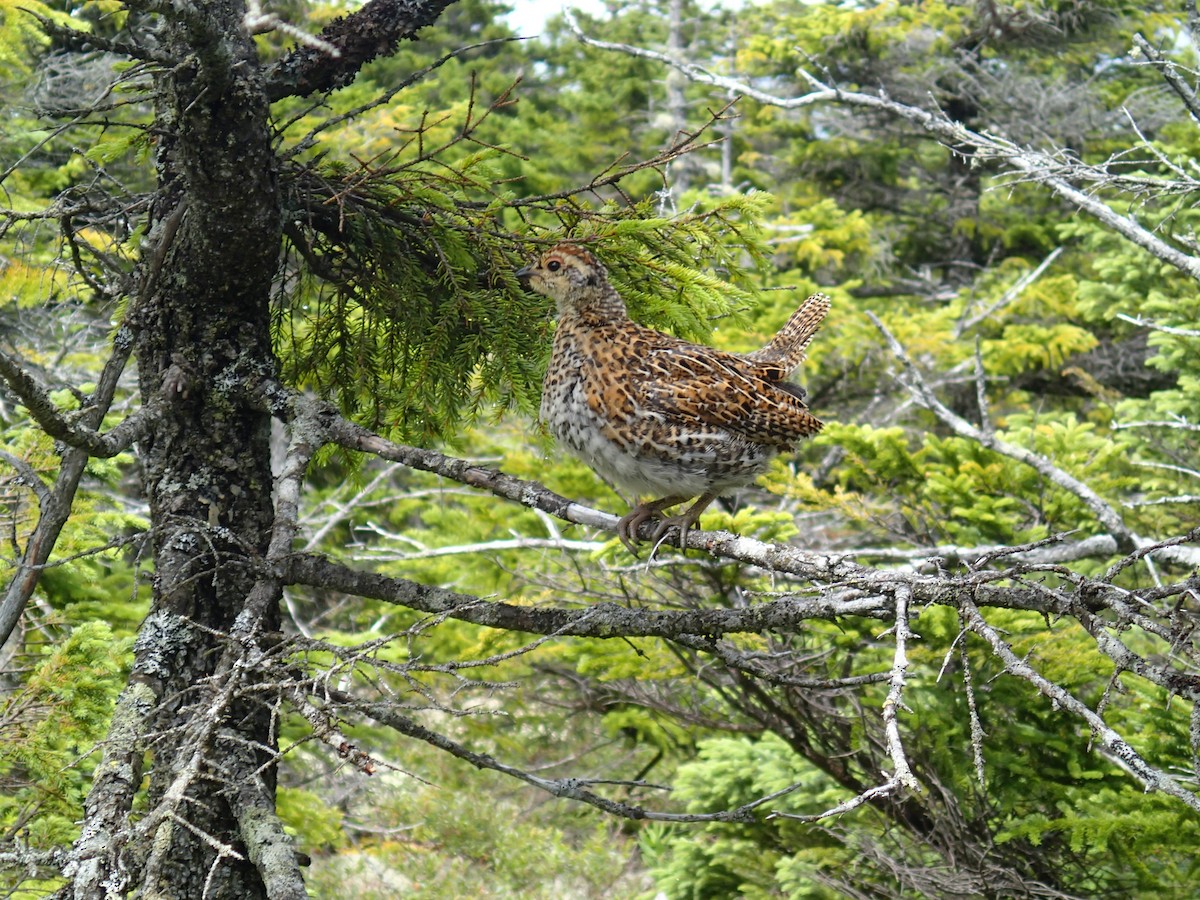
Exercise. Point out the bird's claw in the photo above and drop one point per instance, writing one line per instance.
(683, 522)
(627, 528)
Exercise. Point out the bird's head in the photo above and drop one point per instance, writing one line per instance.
(572, 276)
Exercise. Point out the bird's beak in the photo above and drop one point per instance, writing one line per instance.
(524, 274)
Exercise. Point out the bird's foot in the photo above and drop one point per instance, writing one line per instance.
(627, 528)
(629, 524)
(683, 521)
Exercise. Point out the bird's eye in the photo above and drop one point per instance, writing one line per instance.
(554, 265)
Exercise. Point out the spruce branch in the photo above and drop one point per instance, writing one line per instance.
(309, 140)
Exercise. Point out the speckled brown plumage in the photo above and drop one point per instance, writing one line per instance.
(658, 416)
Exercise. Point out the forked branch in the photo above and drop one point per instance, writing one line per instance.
(1062, 176)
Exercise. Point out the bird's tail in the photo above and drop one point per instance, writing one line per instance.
(785, 351)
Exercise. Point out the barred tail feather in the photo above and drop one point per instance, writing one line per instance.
(785, 351)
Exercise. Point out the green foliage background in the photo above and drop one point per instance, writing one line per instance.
(397, 299)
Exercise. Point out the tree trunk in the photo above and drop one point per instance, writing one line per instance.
(195, 705)
(202, 331)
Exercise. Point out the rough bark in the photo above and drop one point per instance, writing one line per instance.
(222, 535)
(202, 326)
(207, 459)
(370, 32)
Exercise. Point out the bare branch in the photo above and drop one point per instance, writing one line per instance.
(60, 426)
(737, 661)
(895, 746)
(569, 788)
(610, 620)
(1026, 162)
(258, 22)
(1180, 425)
(860, 583)
(54, 514)
(923, 393)
(56, 507)
(1165, 501)
(498, 546)
(1010, 295)
(304, 440)
(27, 476)
(1050, 550)
(1171, 76)
(1165, 329)
(372, 30)
(871, 794)
(599, 620)
(1151, 777)
(791, 560)
(846, 589)
(977, 732)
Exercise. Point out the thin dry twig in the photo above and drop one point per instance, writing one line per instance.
(902, 772)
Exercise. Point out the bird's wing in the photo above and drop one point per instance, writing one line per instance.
(706, 387)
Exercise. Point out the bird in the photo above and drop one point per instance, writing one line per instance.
(658, 417)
